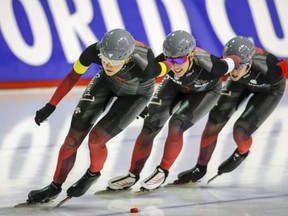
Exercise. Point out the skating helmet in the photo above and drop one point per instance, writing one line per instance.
(117, 44)
(178, 43)
(240, 46)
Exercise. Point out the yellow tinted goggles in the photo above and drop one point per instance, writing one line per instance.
(112, 62)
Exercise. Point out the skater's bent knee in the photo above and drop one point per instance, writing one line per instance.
(180, 122)
(244, 129)
(97, 137)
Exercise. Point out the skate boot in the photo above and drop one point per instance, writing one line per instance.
(232, 162)
(123, 182)
(191, 175)
(43, 195)
(83, 184)
(155, 180)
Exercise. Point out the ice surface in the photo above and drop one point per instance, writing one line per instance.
(28, 155)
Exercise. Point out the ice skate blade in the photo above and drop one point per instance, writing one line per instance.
(112, 191)
(210, 180)
(33, 205)
(21, 205)
(63, 201)
(178, 183)
(143, 190)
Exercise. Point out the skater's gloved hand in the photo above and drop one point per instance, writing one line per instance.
(44, 113)
(144, 113)
(143, 59)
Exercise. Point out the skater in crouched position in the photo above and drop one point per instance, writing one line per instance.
(128, 74)
(186, 95)
(259, 76)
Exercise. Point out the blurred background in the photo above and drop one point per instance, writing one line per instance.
(41, 39)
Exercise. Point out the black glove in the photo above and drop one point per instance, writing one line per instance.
(144, 113)
(143, 59)
(44, 113)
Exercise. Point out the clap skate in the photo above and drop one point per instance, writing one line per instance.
(230, 164)
(41, 196)
(155, 180)
(120, 184)
(123, 182)
(81, 186)
(192, 175)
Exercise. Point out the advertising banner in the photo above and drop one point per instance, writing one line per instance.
(41, 39)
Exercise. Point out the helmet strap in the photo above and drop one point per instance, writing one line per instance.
(128, 60)
(191, 56)
(248, 67)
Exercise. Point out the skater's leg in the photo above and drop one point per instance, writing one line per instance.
(116, 120)
(67, 155)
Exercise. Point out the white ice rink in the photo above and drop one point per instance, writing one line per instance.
(28, 155)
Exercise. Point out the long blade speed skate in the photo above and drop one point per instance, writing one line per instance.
(230, 164)
(63, 201)
(81, 186)
(218, 174)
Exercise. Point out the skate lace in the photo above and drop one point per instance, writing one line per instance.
(157, 177)
(125, 181)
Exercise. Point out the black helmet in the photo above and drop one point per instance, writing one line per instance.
(117, 44)
(240, 46)
(178, 43)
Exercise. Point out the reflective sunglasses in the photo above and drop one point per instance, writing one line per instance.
(241, 66)
(178, 60)
(110, 61)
